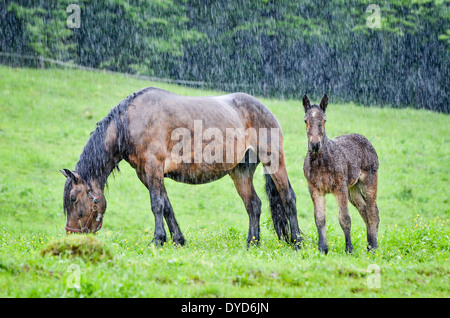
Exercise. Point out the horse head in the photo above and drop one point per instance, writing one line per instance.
(315, 120)
(83, 204)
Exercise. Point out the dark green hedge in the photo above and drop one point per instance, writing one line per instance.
(281, 48)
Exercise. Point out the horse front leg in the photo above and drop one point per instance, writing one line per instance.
(320, 218)
(344, 217)
(157, 204)
(161, 206)
(172, 224)
(153, 178)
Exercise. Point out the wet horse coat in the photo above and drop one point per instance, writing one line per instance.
(347, 167)
(147, 128)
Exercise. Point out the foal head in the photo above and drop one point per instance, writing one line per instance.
(315, 123)
(84, 207)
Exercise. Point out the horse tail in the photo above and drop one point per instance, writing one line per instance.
(279, 216)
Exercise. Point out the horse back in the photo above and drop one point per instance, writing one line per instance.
(158, 120)
(252, 109)
(358, 151)
(155, 106)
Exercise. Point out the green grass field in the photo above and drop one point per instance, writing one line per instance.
(46, 117)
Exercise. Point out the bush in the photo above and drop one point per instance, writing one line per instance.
(86, 247)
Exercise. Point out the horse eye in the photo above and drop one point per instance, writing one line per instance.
(73, 199)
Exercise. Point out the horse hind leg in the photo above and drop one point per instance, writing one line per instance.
(242, 176)
(363, 196)
(356, 198)
(369, 191)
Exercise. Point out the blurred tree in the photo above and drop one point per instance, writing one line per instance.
(282, 48)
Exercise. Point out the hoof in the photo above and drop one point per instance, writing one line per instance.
(179, 241)
(252, 242)
(349, 249)
(298, 244)
(323, 249)
(158, 241)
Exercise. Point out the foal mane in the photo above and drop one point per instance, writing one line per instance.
(95, 160)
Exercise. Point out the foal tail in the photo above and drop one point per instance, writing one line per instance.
(279, 216)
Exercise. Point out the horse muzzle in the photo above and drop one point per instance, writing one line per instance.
(86, 228)
(315, 146)
(83, 230)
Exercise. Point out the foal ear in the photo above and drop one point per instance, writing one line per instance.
(306, 103)
(324, 102)
(68, 174)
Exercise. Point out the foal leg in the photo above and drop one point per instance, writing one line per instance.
(320, 218)
(356, 198)
(242, 177)
(344, 217)
(369, 191)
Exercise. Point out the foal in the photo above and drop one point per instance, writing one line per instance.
(345, 166)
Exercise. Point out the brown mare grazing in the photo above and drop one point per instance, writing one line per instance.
(345, 166)
(145, 130)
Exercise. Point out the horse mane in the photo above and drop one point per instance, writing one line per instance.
(95, 157)
(95, 160)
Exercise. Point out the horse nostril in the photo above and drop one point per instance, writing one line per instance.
(315, 146)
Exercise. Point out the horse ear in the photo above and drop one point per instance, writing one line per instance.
(64, 172)
(306, 103)
(68, 174)
(324, 102)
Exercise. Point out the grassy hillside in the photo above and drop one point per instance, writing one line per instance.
(46, 117)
